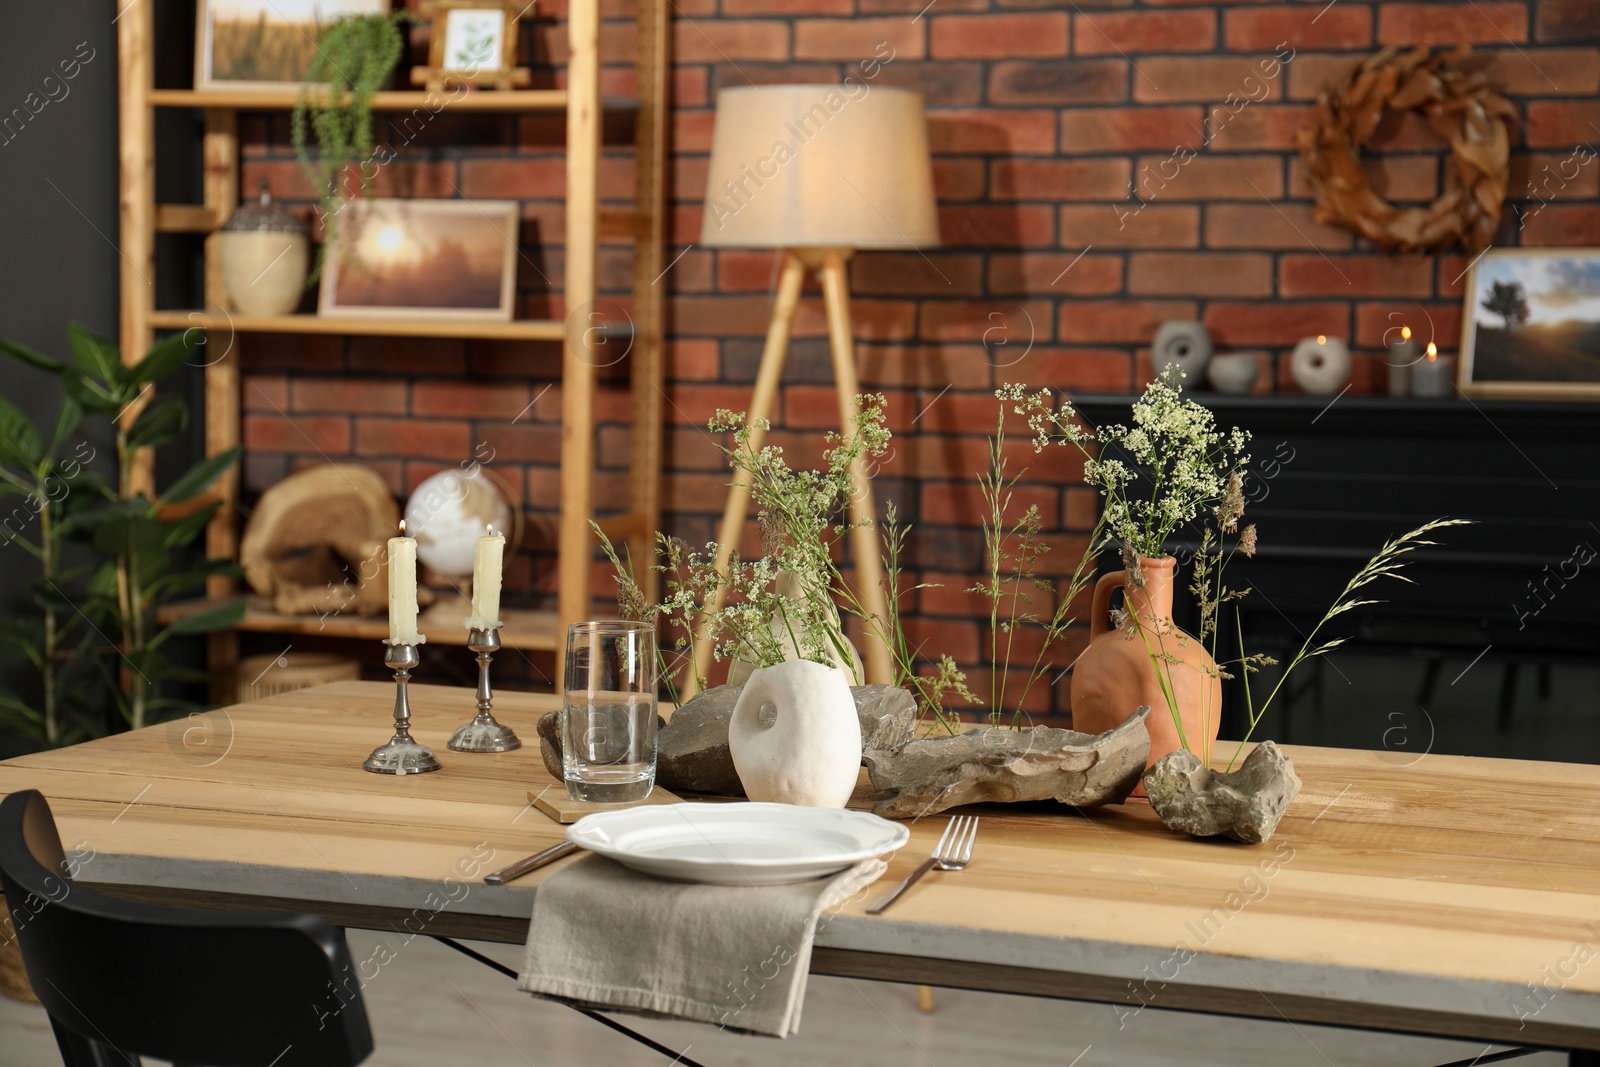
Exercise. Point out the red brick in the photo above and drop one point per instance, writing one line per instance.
(854, 39)
(282, 351)
(1059, 82)
(1280, 323)
(721, 316)
(1124, 33)
(1095, 130)
(1336, 26)
(1404, 178)
(1568, 20)
(522, 442)
(948, 84)
(1543, 176)
(788, 7)
(1110, 321)
(1199, 274)
(925, 368)
(691, 130)
(879, 319)
(322, 434)
(743, 270)
(1357, 275)
(1379, 322)
(355, 396)
(986, 131)
(1257, 126)
(1310, 74)
(1094, 370)
(928, 273)
(958, 179)
(471, 400)
(1475, 22)
(1560, 125)
(1161, 79)
(689, 87)
(724, 40)
(1059, 179)
(946, 636)
(1064, 273)
(1548, 71)
(996, 324)
(1267, 225)
(961, 503)
(1195, 176)
(1130, 226)
(693, 360)
(431, 439)
(265, 392)
(1564, 224)
(1010, 225)
(997, 36)
(407, 355)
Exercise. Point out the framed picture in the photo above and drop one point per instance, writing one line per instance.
(473, 42)
(437, 259)
(264, 44)
(1531, 324)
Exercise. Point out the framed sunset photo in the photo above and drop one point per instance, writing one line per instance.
(265, 44)
(438, 259)
(1531, 324)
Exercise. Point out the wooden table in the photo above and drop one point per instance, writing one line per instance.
(1451, 896)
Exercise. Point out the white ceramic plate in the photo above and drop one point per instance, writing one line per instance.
(737, 844)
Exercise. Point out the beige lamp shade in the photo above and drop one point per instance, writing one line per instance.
(819, 166)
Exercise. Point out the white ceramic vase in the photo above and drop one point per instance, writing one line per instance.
(795, 737)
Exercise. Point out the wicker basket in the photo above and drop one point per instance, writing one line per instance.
(265, 676)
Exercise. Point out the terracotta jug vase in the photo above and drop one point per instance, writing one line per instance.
(1115, 674)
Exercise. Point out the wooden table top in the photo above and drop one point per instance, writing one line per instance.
(1453, 895)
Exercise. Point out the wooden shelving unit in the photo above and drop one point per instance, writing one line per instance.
(645, 224)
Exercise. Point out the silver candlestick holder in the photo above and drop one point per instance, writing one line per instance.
(403, 754)
(484, 734)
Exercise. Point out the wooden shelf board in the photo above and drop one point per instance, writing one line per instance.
(516, 100)
(523, 330)
(526, 630)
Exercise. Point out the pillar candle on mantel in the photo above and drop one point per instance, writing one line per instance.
(403, 590)
(1402, 357)
(1434, 376)
(486, 575)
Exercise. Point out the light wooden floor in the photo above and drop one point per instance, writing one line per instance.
(431, 1007)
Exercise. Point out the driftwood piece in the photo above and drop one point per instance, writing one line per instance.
(316, 542)
(1245, 804)
(987, 764)
(692, 750)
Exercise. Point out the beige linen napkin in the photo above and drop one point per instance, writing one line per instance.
(733, 956)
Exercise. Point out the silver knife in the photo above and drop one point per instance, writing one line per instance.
(522, 867)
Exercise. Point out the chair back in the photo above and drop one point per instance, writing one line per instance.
(215, 988)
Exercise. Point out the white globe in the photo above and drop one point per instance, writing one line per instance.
(449, 512)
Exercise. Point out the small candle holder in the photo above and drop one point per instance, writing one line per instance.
(484, 734)
(402, 754)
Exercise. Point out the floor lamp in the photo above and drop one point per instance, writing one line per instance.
(821, 172)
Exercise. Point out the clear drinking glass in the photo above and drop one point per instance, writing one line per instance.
(608, 718)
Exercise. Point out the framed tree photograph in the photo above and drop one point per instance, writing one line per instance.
(1531, 324)
(264, 44)
(435, 259)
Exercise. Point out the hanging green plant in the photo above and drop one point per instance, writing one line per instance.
(355, 58)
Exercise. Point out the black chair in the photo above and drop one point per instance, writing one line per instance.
(122, 979)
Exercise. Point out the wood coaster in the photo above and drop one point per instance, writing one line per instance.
(557, 803)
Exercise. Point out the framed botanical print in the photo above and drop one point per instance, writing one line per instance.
(474, 42)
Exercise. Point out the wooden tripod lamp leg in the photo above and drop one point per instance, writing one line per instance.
(868, 551)
(733, 512)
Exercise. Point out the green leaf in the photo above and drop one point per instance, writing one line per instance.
(67, 420)
(98, 519)
(198, 479)
(89, 394)
(20, 443)
(31, 357)
(94, 355)
(185, 530)
(166, 356)
(160, 422)
(217, 617)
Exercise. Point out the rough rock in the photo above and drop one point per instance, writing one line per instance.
(1245, 804)
(987, 764)
(692, 750)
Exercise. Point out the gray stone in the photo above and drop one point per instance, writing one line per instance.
(987, 764)
(692, 749)
(1245, 804)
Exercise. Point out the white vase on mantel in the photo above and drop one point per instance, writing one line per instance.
(795, 737)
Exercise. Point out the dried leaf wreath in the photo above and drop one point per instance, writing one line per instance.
(1461, 106)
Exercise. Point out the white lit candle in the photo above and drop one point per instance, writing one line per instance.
(1402, 357)
(486, 577)
(1434, 376)
(403, 590)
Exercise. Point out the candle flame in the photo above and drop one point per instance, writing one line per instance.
(1321, 340)
(1405, 333)
(1433, 352)
(402, 527)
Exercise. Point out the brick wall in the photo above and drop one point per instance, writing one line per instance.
(1092, 181)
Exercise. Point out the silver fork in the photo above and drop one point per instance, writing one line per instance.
(952, 853)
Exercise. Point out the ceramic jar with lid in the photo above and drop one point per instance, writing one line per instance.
(266, 254)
